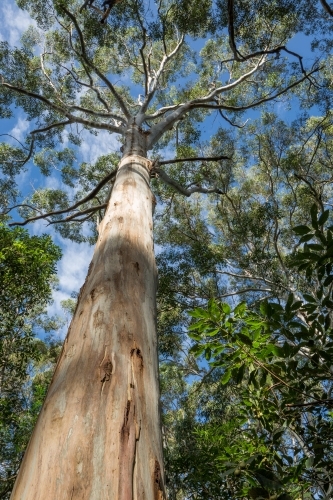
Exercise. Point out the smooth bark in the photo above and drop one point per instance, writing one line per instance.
(98, 435)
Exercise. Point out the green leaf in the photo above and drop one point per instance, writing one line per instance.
(198, 312)
(240, 374)
(245, 339)
(226, 308)
(309, 298)
(195, 336)
(212, 333)
(323, 218)
(208, 353)
(302, 230)
(306, 238)
(296, 305)
(316, 246)
(328, 280)
(226, 377)
(240, 309)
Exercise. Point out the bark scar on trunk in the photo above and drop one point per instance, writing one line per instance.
(106, 369)
(137, 352)
(136, 266)
(127, 451)
(158, 483)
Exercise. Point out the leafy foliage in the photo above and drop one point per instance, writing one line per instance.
(27, 272)
(279, 445)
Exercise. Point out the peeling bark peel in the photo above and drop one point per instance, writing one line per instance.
(100, 422)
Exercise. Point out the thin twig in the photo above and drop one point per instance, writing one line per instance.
(91, 195)
(86, 211)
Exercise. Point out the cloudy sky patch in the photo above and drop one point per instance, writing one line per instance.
(14, 23)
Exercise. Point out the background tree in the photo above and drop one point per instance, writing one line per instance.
(248, 253)
(27, 274)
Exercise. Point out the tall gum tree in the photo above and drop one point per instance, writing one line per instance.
(98, 435)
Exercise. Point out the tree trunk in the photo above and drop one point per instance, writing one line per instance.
(98, 435)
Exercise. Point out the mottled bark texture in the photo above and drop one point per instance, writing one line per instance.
(98, 434)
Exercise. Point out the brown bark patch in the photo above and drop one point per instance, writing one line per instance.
(107, 369)
(158, 483)
(98, 318)
(136, 354)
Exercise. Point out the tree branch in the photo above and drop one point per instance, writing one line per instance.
(187, 192)
(168, 122)
(327, 7)
(159, 72)
(59, 109)
(87, 60)
(327, 402)
(142, 48)
(240, 57)
(73, 216)
(245, 290)
(89, 85)
(49, 127)
(193, 158)
(99, 113)
(29, 153)
(230, 122)
(195, 105)
(87, 198)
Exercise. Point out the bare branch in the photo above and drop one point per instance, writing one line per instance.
(193, 158)
(83, 54)
(59, 109)
(230, 122)
(246, 276)
(325, 402)
(327, 7)
(142, 48)
(231, 31)
(245, 290)
(73, 216)
(162, 111)
(181, 109)
(27, 158)
(87, 198)
(20, 205)
(187, 192)
(240, 57)
(9, 135)
(151, 91)
(196, 105)
(99, 113)
(49, 127)
(39, 97)
(89, 85)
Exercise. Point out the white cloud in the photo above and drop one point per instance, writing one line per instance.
(72, 268)
(14, 23)
(94, 146)
(20, 129)
(72, 271)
